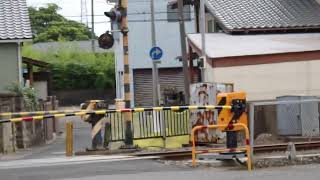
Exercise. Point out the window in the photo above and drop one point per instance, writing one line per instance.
(213, 26)
(173, 14)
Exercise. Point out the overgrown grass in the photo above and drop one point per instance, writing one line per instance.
(75, 69)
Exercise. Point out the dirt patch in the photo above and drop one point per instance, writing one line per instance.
(278, 162)
(264, 139)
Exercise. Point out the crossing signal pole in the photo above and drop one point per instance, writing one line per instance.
(127, 93)
(119, 15)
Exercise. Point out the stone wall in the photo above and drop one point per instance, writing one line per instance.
(25, 134)
(9, 103)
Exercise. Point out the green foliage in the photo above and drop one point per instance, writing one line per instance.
(73, 69)
(47, 25)
(28, 94)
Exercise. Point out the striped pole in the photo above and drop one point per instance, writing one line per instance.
(36, 113)
(127, 93)
(102, 112)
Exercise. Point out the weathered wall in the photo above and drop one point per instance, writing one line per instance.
(8, 103)
(25, 134)
(267, 81)
(9, 65)
(76, 97)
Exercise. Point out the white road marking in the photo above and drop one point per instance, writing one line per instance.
(66, 161)
(58, 153)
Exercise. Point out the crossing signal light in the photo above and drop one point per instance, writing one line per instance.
(174, 4)
(115, 14)
(106, 40)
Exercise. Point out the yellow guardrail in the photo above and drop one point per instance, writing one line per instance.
(247, 148)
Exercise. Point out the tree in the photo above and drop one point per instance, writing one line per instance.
(48, 25)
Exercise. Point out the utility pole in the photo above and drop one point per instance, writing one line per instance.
(92, 27)
(155, 72)
(184, 52)
(127, 92)
(203, 40)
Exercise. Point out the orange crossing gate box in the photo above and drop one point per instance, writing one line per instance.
(227, 117)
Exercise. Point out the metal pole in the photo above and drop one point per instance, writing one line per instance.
(203, 39)
(155, 73)
(69, 138)
(251, 124)
(126, 78)
(184, 52)
(92, 27)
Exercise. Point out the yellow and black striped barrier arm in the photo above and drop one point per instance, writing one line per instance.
(36, 113)
(102, 112)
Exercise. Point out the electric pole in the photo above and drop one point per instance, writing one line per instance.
(203, 40)
(184, 52)
(84, 12)
(92, 27)
(155, 72)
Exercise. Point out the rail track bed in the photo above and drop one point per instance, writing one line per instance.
(184, 153)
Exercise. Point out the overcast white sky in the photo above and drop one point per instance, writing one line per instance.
(71, 9)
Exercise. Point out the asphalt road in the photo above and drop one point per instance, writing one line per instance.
(49, 162)
(152, 170)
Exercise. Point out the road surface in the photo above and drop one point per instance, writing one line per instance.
(49, 162)
(145, 170)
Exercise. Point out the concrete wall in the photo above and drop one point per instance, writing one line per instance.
(76, 97)
(267, 81)
(9, 65)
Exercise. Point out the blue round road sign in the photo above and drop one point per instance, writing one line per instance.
(156, 53)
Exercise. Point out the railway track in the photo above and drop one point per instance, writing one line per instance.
(256, 149)
(283, 146)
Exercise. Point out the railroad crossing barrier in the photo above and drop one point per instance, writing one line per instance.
(35, 113)
(176, 118)
(156, 122)
(103, 112)
(246, 149)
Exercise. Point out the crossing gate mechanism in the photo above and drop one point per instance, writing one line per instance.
(237, 114)
(231, 121)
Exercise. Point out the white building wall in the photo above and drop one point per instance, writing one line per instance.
(167, 37)
(267, 81)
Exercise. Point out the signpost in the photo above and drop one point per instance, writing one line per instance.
(156, 54)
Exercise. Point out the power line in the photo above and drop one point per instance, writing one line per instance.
(138, 13)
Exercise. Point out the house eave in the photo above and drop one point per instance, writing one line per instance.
(14, 40)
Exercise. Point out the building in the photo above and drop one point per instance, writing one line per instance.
(167, 37)
(14, 30)
(266, 48)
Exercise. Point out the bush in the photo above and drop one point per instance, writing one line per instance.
(27, 93)
(72, 69)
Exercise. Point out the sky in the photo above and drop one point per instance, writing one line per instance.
(71, 9)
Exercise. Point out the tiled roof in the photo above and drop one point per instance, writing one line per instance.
(253, 15)
(14, 20)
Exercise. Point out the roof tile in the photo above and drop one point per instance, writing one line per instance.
(14, 20)
(246, 15)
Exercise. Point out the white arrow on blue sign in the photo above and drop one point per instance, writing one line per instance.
(156, 53)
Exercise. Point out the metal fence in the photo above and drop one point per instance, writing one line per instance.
(287, 119)
(150, 124)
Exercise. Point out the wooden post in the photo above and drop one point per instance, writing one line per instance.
(30, 73)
